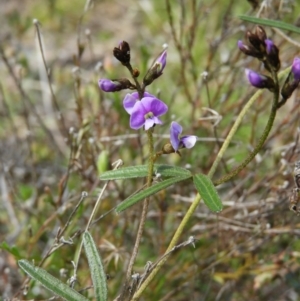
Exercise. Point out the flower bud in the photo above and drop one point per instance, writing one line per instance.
(259, 81)
(292, 81)
(249, 50)
(272, 55)
(296, 68)
(114, 85)
(122, 53)
(156, 70)
(260, 33)
(256, 42)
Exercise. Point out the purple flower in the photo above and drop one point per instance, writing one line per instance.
(269, 46)
(130, 100)
(258, 80)
(144, 112)
(161, 62)
(108, 85)
(272, 54)
(184, 141)
(292, 81)
(156, 70)
(296, 68)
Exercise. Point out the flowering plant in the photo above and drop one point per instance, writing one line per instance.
(146, 113)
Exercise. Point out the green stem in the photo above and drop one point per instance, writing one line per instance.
(197, 199)
(261, 140)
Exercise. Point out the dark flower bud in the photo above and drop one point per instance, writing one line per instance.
(249, 50)
(260, 33)
(122, 53)
(157, 69)
(114, 85)
(259, 81)
(272, 55)
(292, 81)
(256, 42)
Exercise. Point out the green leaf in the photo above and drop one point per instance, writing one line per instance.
(149, 191)
(12, 250)
(208, 192)
(140, 171)
(51, 283)
(96, 267)
(271, 23)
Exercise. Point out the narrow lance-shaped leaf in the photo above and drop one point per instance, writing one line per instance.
(208, 192)
(271, 23)
(51, 283)
(96, 267)
(141, 171)
(149, 191)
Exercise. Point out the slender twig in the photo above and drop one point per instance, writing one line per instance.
(54, 100)
(28, 101)
(143, 215)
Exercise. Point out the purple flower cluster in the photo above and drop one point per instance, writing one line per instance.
(145, 111)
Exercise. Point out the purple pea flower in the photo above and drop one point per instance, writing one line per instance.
(184, 141)
(258, 80)
(272, 54)
(157, 69)
(108, 85)
(269, 46)
(296, 68)
(161, 63)
(292, 81)
(144, 112)
(131, 99)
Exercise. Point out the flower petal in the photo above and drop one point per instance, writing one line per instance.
(129, 102)
(149, 123)
(154, 105)
(137, 118)
(175, 131)
(188, 141)
(131, 98)
(161, 62)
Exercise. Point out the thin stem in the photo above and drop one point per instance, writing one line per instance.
(144, 213)
(54, 100)
(261, 140)
(197, 199)
(140, 89)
